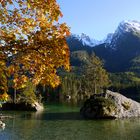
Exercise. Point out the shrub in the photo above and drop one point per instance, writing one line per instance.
(126, 105)
(28, 94)
(99, 107)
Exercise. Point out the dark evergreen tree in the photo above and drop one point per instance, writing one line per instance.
(95, 75)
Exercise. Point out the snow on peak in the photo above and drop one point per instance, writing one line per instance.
(130, 25)
(126, 26)
(86, 40)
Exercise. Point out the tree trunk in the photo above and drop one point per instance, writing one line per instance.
(95, 90)
(44, 88)
(15, 95)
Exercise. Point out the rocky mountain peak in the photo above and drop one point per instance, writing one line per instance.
(129, 26)
(85, 40)
(125, 27)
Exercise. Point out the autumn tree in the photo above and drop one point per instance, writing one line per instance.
(32, 41)
(3, 81)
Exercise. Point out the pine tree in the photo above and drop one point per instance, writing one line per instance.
(96, 77)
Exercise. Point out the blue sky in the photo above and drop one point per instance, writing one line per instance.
(97, 18)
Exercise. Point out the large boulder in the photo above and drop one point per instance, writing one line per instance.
(110, 105)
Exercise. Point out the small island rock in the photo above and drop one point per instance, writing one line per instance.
(110, 105)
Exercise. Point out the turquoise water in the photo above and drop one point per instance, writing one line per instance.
(63, 122)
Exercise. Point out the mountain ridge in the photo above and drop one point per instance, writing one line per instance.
(118, 50)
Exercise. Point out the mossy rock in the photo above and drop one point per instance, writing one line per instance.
(99, 107)
(113, 105)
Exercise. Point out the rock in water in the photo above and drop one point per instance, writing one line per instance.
(110, 105)
(23, 106)
(37, 106)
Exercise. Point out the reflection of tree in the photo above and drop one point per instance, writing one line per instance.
(60, 126)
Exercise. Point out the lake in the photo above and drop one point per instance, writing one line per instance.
(63, 122)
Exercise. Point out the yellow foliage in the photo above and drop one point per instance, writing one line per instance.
(31, 33)
(4, 97)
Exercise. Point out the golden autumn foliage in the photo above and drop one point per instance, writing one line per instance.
(32, 41)
(4, 97)
(3, 77)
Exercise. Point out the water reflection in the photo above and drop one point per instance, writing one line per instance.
(2, 128)
(54, 116)
(63, 125)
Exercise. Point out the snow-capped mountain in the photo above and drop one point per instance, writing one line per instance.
(127, 27)
(85, 39)
(130, 26)
(120, 50)
(124, 29)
